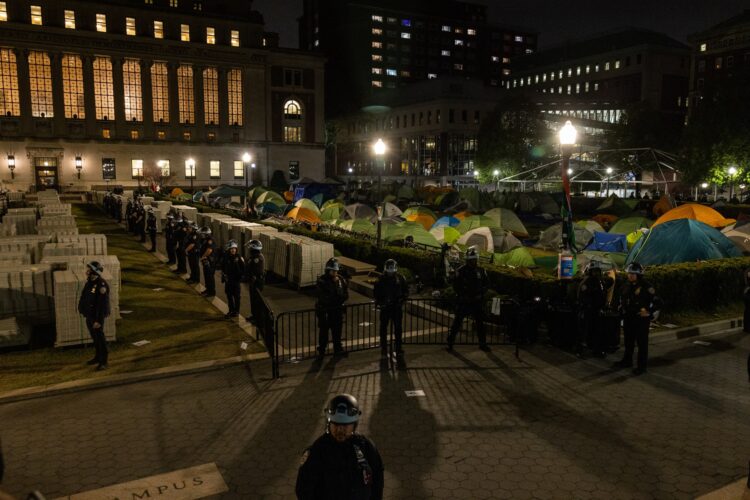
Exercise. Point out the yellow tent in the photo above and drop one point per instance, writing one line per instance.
(303, 214)
(463, 215)
(176, 192)
(701, 213)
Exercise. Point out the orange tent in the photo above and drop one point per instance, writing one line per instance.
(303, 214)
(289, 196)
(663, 206)
(463, 215)
(701, 213)
(424, 219)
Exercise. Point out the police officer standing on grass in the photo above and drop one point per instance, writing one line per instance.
(391, 291)
(180, 233)
(151, 227)
(232, 272)
(129, 216)
(140, 223)
(255, 275)
(207, 261)
(333, 291)
(169, 230)
(592, 297)
(470, 284)
(192, 249)
(94, 306)
(341, 464)
(637, 306)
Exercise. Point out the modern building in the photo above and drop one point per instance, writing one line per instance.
(115, 92)
(430, 129)
(595, 80)
(720, 53)
(372, 46)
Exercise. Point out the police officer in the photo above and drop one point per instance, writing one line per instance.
(192, 250)
(129, 212)
(140, 224)
(592, 298)
(207, 259)
(232, 271)
(255, 275)
(169, 230)
(151, 228)
(470, 285)
(180, 237)
(637, 306)
(391, 291)
(333, 291)
(118, 209)
(341, 464)
(94, 306)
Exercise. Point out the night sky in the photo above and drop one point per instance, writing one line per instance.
(559, 20)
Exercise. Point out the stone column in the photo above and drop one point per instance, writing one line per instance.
(89, 100)
(24, 90)
(200, 117)
(58, 99)
(122, 129)
(148, 100)
(174, 101)
(224, 127)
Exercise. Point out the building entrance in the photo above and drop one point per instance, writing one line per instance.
(46, 173)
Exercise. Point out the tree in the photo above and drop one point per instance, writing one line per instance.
(157, 177)
(644, 127)
(511, 138)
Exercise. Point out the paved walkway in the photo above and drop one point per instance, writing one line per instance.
(490, 426)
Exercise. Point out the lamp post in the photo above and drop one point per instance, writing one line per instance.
(379, 148)
(496, 174)
(732, 172)
(12, 166)
(245, 160)
(190, 164)
(609, 174)
(567, 136)
(348, 188)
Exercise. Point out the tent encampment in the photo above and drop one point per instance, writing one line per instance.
(506, 219)
(694, 211)
(359, 226)
(331, 212)
(391, 210)
(308, 204)
(446, 221)
(614, 205)
(551, 238)
(303, 214)
(419, 210)
(270, 197)
(359, 211)
(425, 220)
(518, 257)
(476, 221)
(445, 234)
(591, 225)
(630, 224)
(608, 242)
(490, 240)
(664, 205)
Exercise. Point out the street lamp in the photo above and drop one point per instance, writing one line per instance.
(609, 174)
(79, 165)
(12, 166)
(190, 164)
(348, 188)
(379, 148)
(567, 135)
(496, 175)
(732, 172)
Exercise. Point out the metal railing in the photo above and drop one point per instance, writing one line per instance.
(292, 336)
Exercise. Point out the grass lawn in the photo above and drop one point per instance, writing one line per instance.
(181, 326)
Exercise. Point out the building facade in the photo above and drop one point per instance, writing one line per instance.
(121, 91)
(375, 46)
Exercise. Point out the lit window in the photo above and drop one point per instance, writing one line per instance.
(185, 32)
(134, 135)
(9, 97)
(210, 36)
(506, 60)
(104, 99)
(158, 29)
(130, 26)
(552, 76)
(136, 168)
(377, 83)
(528, 80)
(131, 76)
(578, 70)
(458, 42)
(458, 66)
(377, 19)
(570, 71)
(560, 74)
(405, 73)
(536, 79)
(529, 51)
(471, 32)
(518, 38)
(36, 15)
(161, 135)
(578, 88)
(446, 53)
(101, 23)
(235, 38)
(106, 133)
(606, 66)
(596, 86)
(377, 71)
(617, 64)
(189, 169)
(211, 96)
(292, 134)
(459, 31)
(377, 31)
(164, 167)
(392, 20)
(431, 76)
(596, 68)
(446, 28)
(40, 78)
(544, 77)
(405, 35)
(72, 72)
(173, 3)
(70, 19)
(391, 72)
(239, 169)
(569, 89)
(234, 82)
(148, 2)
(4, 12)
(506, 72)
(160, 92)
(587, 87)
(376, 57)
(377, 45)
(292, 110)
(214, 169)
(704, 47)
(185, 94)
(495, 58)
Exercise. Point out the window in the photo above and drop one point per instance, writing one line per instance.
(211, 96)
(131, 77)
(377, 31)
(72, 73)
(10, 104)
(458, 67)
(158, 29)
(446, 28)
(405, 73)
(391, 72)
(164, 167)
(130, 26)
(40, 78)
(405, 35)
(377, 71)
(377, 58)
(160, 92)
(234, 81)
(701, 66)
(406, 23)
(292, 110)
(135, 135)
(235, 38)
(239, 169)
(377, 19)
(185, 94)
(101, 23)
(103, 89)
(703, 46)
(161, 135)
(106, 133)
(136, 168)
(173, 3)
(377, 45)
(495, 58)
(36, 15)
(292, 134)
(471, 32)
(392, 20)
(189, 169)
(446, 53)
(617, 64)
(730, 61)
(214, 169)
(197, 5)
(458, 42)
(377, 83)
(210, 36)
(431, 76)
(606, 66)
(185, 32)
(518, 38)
(70, 19)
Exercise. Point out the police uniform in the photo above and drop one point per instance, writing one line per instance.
(140, 224)
(180, 237)
(329, 309)
(637, 301)
(129, 216)
(208, 259)
(94, 306)
(192, 249)
(233, 269)
(470, 285)
(151, 226)
(592, 298)
(330, 470)
(169, 236)
(118, 208)
(255, 275)
(391, 291)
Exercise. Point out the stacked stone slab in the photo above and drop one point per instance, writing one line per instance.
(15, 196)
(54, 210)
(48, 196)
(13, 333)
(69, 324)
(20, 257)
(26, 292)
(190, 213)
(95, 244)
(254, 233)
(25, 223)
(8, 229)
(33, 244)
(307, 260)
(22, 211)
(63, 249)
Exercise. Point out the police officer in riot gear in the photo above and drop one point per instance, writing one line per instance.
(470, 284)
(118, 209)
(151, 228)
(255, 275)
(232, 271)
(169, 230)
(592, 298)
(129, 212)
(192, 248)
(180, 235)
(207, 260)
(637, 304)
(391, 291)
(140, 223)
(333, 291)
(94, 306)
(341, 464)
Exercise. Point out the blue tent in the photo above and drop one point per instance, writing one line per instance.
(446, 221)
(682, 240)
(608, 242)
(312, 190)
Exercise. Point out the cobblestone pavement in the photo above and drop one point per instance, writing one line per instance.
(490, 426)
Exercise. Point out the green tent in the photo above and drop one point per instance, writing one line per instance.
(476, 221)
(606, 260)
(630, 224)
(420, 234)
(184, 197)
(518, 257)
(591, 226)
(419, 211)
(445, 234)
(271, 197)
(359, 226)
(389, 198)
(614, 205)
(332, 202)
(308, 204)
(405, 193)
(331, 213)
(255, 192)
(508, 220)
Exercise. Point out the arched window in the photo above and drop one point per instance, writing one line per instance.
(292, 121)
(292, 110)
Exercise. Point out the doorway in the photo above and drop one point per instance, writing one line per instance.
(46, 173)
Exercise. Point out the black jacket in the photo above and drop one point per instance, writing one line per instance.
(637, 296)
(391, 290)
(94, 301)
(470, 284)
(331, 294)
(592, 292)
(332, 471)
(255, 270)
(233, 267)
